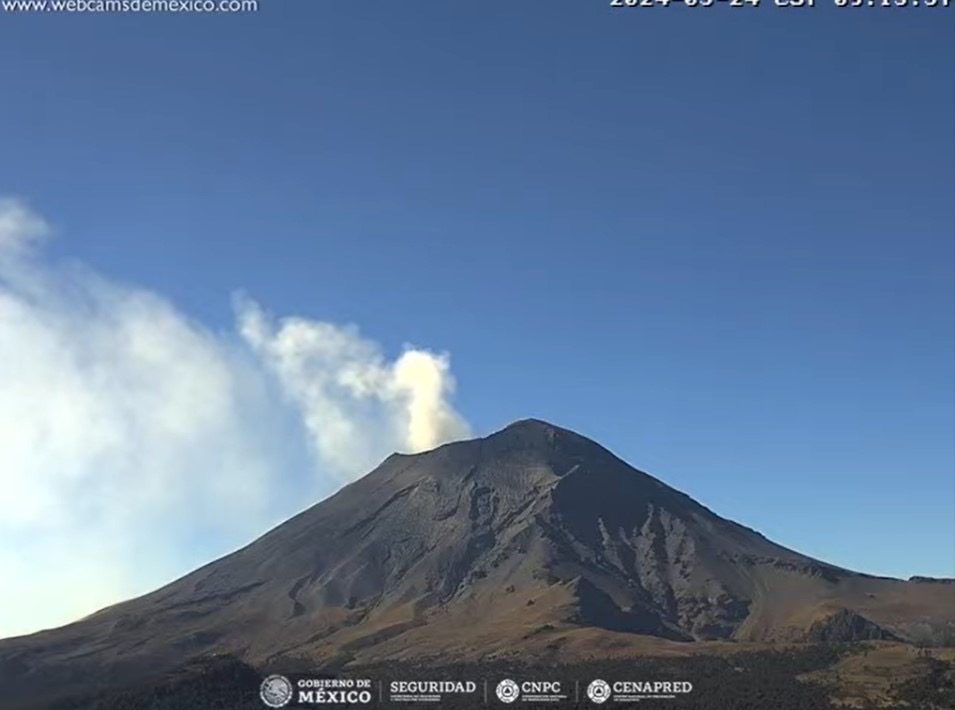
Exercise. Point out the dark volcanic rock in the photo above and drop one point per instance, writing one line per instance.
(845, 626)
(932, 580)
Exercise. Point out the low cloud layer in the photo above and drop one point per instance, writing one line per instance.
(136, 443)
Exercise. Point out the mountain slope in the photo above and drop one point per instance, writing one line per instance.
(533, 532)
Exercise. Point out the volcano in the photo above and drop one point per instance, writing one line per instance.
(534, 539)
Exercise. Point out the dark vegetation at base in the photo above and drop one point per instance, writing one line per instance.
(747, 681)
(220, 683)
(932, 690)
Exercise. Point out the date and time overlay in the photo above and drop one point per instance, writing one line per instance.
(800, 4)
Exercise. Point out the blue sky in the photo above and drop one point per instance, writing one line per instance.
(721, 242)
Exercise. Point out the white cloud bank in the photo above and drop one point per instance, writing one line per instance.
(135, 443)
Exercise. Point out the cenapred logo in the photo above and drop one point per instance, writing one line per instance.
(598, 691)
(276, 691)
(633, 691)
(508, 691)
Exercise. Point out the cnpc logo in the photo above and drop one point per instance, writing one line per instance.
(508, 690)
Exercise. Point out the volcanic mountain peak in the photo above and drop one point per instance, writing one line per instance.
(539, 432)
(533, 423)
(528, 433)
(532, 535)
